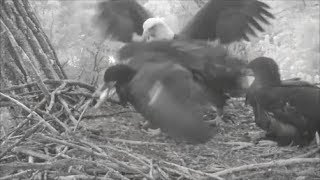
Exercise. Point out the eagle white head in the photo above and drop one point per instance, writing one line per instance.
(156, 29)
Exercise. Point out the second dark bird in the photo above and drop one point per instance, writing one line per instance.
(287, 110)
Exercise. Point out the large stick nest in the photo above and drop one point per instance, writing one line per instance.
(62, 137)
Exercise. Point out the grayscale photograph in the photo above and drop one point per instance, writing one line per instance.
(159, 89)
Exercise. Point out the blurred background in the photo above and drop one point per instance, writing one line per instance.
(292, 39)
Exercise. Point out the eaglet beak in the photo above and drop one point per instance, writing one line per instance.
(250, 76)
(105, 92)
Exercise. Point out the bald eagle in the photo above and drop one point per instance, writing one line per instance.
(212, 67)
(223, 20)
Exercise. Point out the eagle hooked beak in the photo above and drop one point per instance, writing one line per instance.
(137, 38)
(148, 34)
(105, 92)
(250, 76)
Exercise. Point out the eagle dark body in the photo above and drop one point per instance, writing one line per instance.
(219, 72)
(226, 20)
(167, 95)
(288, 110)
